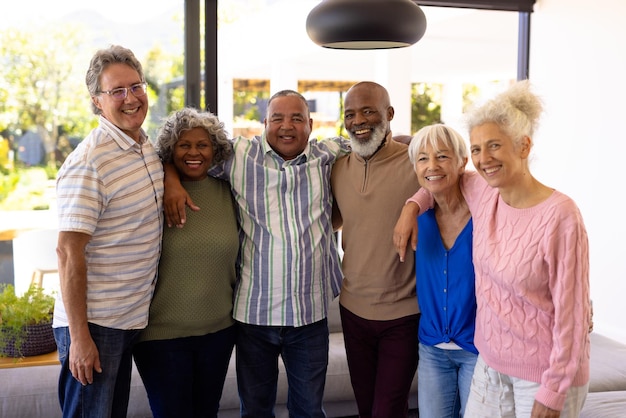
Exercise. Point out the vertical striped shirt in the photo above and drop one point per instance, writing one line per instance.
(111, 188)
(289, 266)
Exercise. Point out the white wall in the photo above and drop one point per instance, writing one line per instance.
(578, 65)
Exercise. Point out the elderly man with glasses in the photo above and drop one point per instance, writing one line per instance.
(110, 201)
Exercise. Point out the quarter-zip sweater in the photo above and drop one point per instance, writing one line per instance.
(370, 195)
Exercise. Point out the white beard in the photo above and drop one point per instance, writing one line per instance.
(367, 148)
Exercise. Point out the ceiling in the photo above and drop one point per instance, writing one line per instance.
(461, 44)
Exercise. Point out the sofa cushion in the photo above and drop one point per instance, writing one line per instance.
(29, 392)
(607, 364)
(604, 405)
(333, 316)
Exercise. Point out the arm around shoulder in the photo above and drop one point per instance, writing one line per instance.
(175, 197)
(405, 230)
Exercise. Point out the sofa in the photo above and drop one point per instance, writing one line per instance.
(607, 384)
(30, 392)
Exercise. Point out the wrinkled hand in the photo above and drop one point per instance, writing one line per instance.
(405, 230)
(542, 411)
(175, 198)
(84, 359)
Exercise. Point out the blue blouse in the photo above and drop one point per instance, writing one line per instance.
(445, 286)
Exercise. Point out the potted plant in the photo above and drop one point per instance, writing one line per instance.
(26, 322)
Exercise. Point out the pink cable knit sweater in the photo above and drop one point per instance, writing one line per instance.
(532, 288)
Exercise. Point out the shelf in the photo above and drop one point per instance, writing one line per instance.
(42, 360)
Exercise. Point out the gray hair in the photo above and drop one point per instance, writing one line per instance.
(437, 134)
(516, 111)
(101, 60)
(287, 93)
(189, 118)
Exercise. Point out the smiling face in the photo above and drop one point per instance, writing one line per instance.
(193, 154)
(288, 126)
(496, 157)
(128, 114)
(367, 115)
(438, 169)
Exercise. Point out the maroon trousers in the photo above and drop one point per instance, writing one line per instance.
(382, 358)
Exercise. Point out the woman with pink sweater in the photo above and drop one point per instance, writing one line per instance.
(531, 259)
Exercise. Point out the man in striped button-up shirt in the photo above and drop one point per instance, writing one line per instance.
(289, 265)
(109, 197)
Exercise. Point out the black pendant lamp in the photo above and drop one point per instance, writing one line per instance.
(366, 24)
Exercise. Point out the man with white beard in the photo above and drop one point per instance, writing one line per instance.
(378, 304)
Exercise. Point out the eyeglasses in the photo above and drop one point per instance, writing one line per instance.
(121, 93)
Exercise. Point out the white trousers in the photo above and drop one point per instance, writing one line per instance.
(497, 395)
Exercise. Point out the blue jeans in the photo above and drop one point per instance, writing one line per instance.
(184, 377)
(444, 379)
(107, 396)
(305, 354)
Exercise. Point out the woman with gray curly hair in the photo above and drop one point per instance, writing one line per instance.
(531, 260)
(183, 354)
(185, 120)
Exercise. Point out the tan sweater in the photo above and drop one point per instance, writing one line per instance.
(369, 196)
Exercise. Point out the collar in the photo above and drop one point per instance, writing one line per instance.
(124, 141)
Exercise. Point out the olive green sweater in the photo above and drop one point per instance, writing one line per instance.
(194, 290)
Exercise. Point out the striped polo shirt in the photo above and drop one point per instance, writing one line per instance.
(289, 266)
(111, 188)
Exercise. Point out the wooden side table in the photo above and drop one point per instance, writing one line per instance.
(42, 360)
